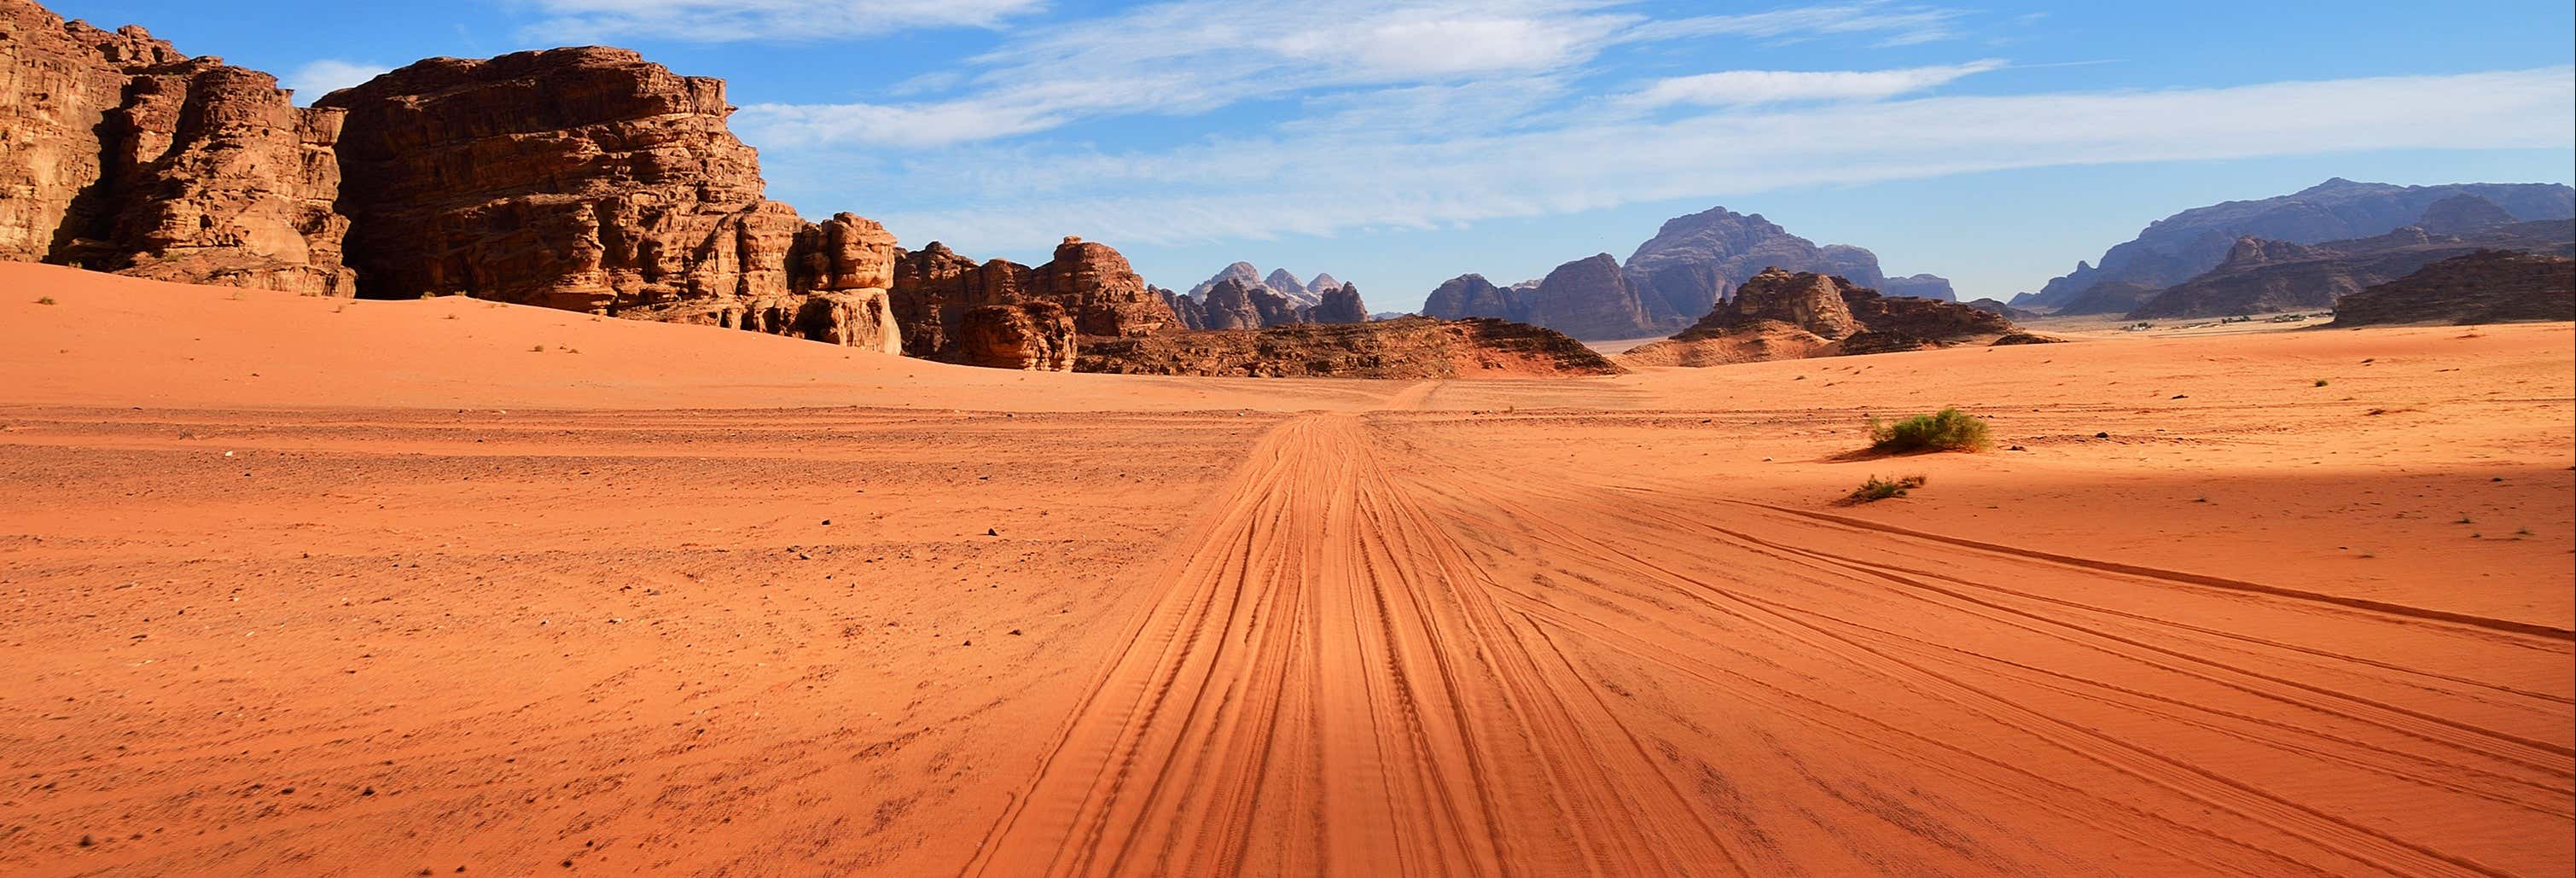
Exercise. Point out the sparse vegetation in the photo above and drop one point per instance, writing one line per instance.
(1946, 430)
(2321, 382)
(44, 300)
(1877, 489)
(537, 349)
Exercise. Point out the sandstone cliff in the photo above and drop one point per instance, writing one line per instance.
(125, 155)
(1780, 315)
(2489, 286)
(1471, 295)
(1340, 305)
(1694, 260)
(1411, 347)
(1037, 336)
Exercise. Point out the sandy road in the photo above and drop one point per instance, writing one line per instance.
(1383, 656)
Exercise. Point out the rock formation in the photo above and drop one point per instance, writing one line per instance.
(1035, 335)
(1992, 306)
(1471, 295)
(1408, 348)
(1592, 299)
(2463, 213)
(1301, 296)
(1091, 283)
(2179, 247)
(126, 155)
(1340, 305)
(2489, 286)
(2262, 276)
(1781, 315)
(1695, 260)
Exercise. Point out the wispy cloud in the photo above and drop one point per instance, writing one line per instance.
(1741, 87)
(1192, 56)
(1021, 197)
(720, 21)
(318, 78)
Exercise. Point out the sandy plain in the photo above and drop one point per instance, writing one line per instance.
(311, 586)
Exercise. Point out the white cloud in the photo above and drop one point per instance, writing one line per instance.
(1740, 87)
(318, 78)
(1191, 56)
(1023, 198)
(718, 21)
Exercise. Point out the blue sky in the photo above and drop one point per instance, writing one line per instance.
(1396, 145)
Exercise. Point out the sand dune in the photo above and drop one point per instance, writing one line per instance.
(415, 596)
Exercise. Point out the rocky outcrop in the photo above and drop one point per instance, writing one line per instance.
(1091, 283)
(1592, 299)
(2489, 286)
(2268, 276)
(126, 155)
(2462, 214)
(1098, 288)
(1300, 295)
(1188, 312)
(1036, 335)
(1783, 315)
(2179, 247)
(1992, 306)
(1407, 348)
(1695, 260)
(584, 179)
(1471, 295)
(1230, 306)
(1341, 305)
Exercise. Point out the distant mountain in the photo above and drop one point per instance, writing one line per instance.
(1695, 260)
(1303, 294)
(2259, 275)
(2180, 247)
(1684, 271)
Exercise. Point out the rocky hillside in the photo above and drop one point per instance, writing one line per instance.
(1780, 315)
(2489, 286)
(1410, 347)
(2179, 247)
(125, 155)
(1688, 267)
(2260, 276)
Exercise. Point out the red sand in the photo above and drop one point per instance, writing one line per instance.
(307, 586)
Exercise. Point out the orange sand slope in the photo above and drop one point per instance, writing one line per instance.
(667, 606)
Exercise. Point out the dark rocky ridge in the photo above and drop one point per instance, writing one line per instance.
(2179, 247)
(1409, 348)
(2260, 276)
(2489, 286)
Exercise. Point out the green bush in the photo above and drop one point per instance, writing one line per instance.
(45, 300)
(1880, 489)
(1945, 430)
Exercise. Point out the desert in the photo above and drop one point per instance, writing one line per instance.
(471, 468)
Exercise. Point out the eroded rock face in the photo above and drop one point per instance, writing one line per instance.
(1098, 288)
(1028, 335)
(583, 179)
(1695, 260)
(1230, 306)
(126, 155)
(935, 287)
(2489, 286)
(1784, 315)
(1341, 305)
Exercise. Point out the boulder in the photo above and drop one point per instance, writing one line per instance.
(1036, 335)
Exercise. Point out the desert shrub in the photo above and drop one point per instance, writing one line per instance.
(2321, 382)
(1877, 489)
(1945, 430)
(44, 300)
